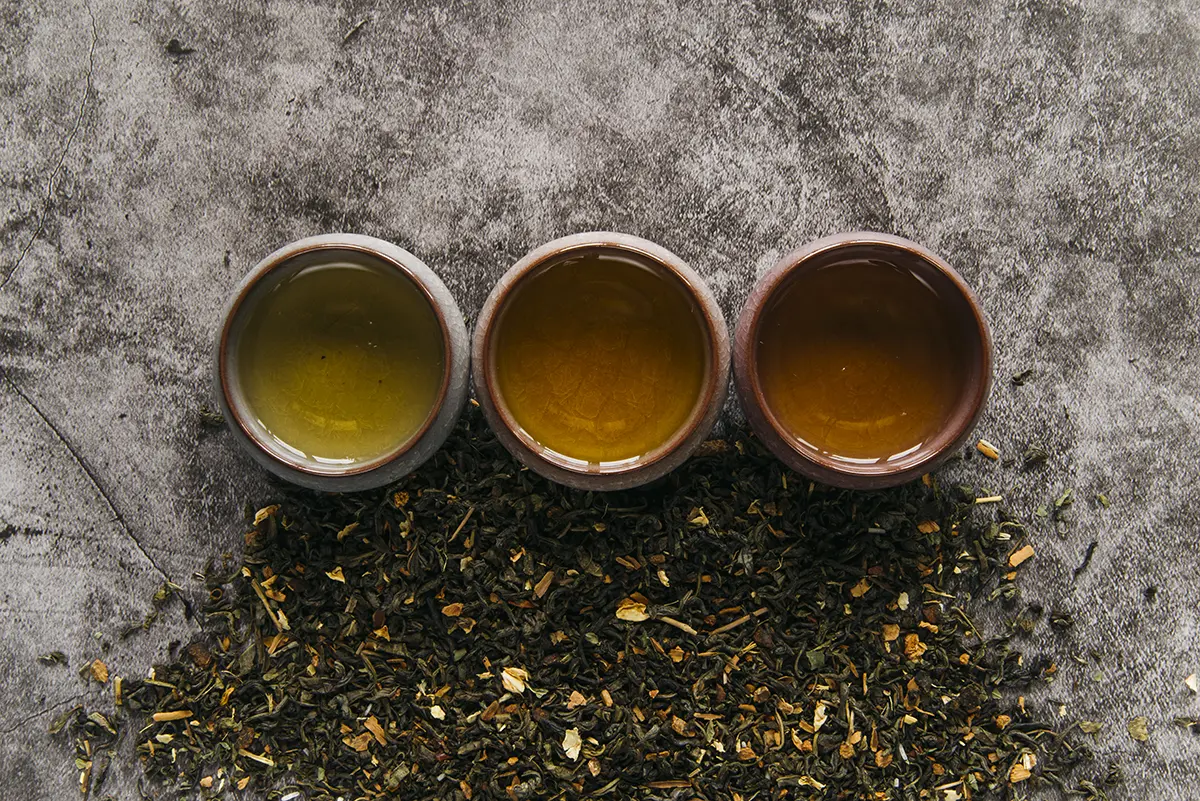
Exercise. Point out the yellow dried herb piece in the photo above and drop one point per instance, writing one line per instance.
(914, 649)
(513, 679)
(359, 743)
(372, 725)
(632, 611)
(1020, 555)
(1139, 729)
(179, 714)
(572, 744)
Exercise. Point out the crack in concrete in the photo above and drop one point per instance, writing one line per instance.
(62, 159)
(39, 714)
(87, 471)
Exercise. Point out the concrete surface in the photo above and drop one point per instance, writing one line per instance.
(1050, 150)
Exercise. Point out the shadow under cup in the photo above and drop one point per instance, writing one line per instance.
(862, 360)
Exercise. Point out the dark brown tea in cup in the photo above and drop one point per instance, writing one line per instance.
(859, 361)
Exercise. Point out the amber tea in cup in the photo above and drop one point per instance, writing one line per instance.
(599, 357)
(600, 360)
(865, 358)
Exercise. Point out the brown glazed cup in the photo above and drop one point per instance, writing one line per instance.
(962, 308)
(601, 476)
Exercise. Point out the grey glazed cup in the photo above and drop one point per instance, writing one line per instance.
(602, 477)
(962, 308)
(388, 467)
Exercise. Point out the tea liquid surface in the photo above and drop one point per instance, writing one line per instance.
(600, 358)
(343, 361)
(858, 361)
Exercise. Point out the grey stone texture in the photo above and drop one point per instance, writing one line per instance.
(1049, 150)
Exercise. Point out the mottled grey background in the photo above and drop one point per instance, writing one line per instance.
(1048, 149)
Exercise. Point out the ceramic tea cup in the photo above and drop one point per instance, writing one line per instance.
(840, 332)
(601, 360)
(278, 404)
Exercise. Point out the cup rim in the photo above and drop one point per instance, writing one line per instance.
(781, 442)
(280, 259)
(560, 467)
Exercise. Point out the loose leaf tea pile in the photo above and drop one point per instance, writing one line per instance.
(731, 633)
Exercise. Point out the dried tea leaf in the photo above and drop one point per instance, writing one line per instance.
(61, 720)
(100, 720)
(199, 655)
(265, 512)
(1021, 378)
(53, 658)
(1139, 729)
(789, 651)
(1034, 455)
